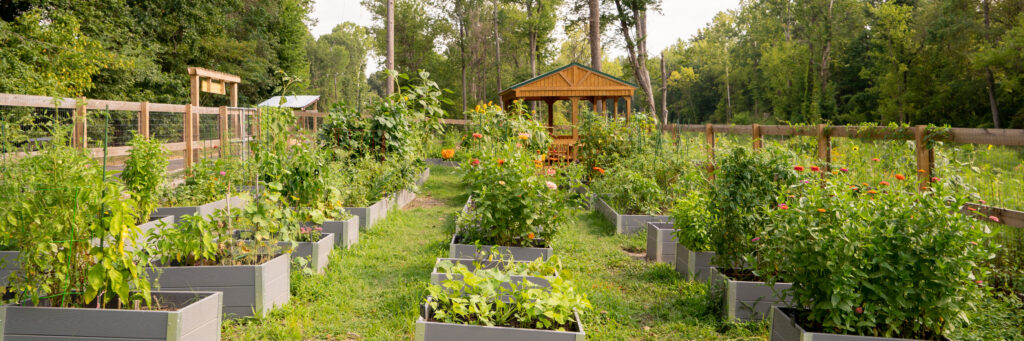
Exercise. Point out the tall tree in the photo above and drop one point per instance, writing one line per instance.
(391, 47)
(497, 49)
(632, 18)
(595, 34)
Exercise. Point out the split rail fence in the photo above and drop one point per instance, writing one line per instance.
(193, 132)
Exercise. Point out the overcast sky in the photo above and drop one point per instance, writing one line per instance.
(680, 19)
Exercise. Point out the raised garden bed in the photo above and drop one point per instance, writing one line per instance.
(202, 210)
(346, 233)
(747, 300)
(469, 251)
(317, 253)
(786, 328)
(157, 221)
(9, 264)
(248, 289)
(427, 330)
(693, 265)
(661, 244)
(187, 316)
(438, 276)
(370, 215)
(625, 224)
(440, 162)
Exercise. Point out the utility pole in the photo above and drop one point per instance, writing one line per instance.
(391, 47)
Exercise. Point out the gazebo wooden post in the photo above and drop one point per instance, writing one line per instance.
(615, 102)
(551, 116)
(575, 117)
(629, 108)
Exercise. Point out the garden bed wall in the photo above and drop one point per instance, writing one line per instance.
(202, 210)
(318, 253)
(693, 265)
(346, 233)
(9, 264)
(427, 330)
(746, 300)
(247, 289)
(195, 319)
(661, 243)
(625, 224)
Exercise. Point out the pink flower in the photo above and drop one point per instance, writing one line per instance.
(477, 135)
(935, 179)
(806, 181)
(993, 218)
(844, 170)
(551, 185)
(475, 162)
(859, 310)
(519, 145)
(783, 207)
(981, 201)
(755, 239)
(551, 172)
(222, 173)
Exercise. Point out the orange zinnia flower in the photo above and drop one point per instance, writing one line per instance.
(501, 162)
(821, 210)
(530, 235)
(873, 192)
(447, 154)
(900, 177)
(884, 183)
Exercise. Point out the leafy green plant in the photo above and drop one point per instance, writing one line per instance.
(692, 221)
(488, 297)
(144, 173)
(514, 201)
(745, 188)
(74, 230)
(885, 259)
(629, 191)
(208, 181)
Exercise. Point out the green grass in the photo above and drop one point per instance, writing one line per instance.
(372, 291)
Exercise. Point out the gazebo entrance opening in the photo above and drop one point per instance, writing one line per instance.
(573, 83)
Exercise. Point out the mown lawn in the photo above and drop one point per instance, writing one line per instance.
(372, 291)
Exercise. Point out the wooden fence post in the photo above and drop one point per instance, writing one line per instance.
(925, 155)
(187, 137)
(709, 134)
(81, 129)
(223, 131)
(824, 148)
(144, 120)
(755, 133)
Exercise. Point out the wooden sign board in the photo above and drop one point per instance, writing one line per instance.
(212, 86)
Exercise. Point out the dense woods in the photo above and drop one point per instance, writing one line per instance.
(956, 62)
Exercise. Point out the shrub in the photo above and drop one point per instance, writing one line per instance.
(692, 221)
(879, 260)
(746, 186)
(144, 173)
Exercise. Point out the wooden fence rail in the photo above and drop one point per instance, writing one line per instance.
(243, 121)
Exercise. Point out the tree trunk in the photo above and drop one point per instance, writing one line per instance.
(990, 79)
(497, 51)
(595, 34)
(826, 57)
(664, 90)
(533, 47)
(390, 88)
(462, 51)
(637, 47)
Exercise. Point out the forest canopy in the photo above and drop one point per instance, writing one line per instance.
(955, 62)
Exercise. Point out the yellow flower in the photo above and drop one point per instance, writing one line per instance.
(989, 147)
(855, 148)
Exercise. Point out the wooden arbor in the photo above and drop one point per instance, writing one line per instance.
(573, 82)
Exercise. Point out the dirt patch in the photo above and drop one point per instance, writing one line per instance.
(423, 201)
(636, 254)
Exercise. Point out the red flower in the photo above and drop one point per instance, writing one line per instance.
(798, 168)
(900, 177)
(859, 310)
(884, 183)
(875, 159)
(935, 179)
(783, 207)
(815, 168)
(475, 162)
(477, 135)
(501, 162)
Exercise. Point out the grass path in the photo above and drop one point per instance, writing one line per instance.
(371, 291)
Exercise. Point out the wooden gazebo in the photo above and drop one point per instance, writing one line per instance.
(573, 82)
